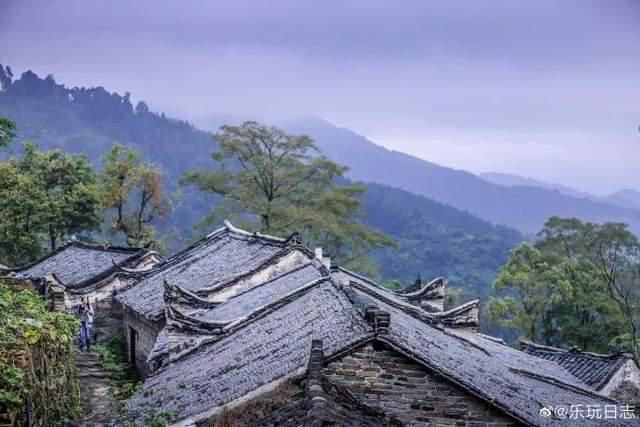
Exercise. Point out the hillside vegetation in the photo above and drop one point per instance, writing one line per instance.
(432, 238)
(523, 208)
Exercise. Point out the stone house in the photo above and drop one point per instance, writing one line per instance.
(249, 339)
(614, 375)
(78, 269)
(228, 255)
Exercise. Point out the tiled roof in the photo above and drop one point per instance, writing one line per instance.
(265, 294)
(266, 349)
(216, 259)
(593, 369)
(275, 344)
(519, 384)
(428, 297)
(78, 264)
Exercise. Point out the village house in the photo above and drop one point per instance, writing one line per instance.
(246, 329)
(614, 375)
(78, 269)
(224, 256)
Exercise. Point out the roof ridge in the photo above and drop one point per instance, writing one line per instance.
(312, 263)
(406, 307)
(570, 351)
(106, 247)
(236, 325)
(226, 228)
(434, 283)
(278, 255)
(232, 228)
(560, 383)
(113, 269)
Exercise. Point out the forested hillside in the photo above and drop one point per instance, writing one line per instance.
(523, 208)
(432, 238)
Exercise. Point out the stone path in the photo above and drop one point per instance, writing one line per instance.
(98, 404)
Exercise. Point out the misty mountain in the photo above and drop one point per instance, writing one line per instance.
(433, 239)
(525, 208)
(627, 198)
(509, 180)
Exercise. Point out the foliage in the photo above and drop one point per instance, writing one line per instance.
(432, 238)
(90, 120)
(20, 215)
(44, 194)
(135, 192)
(281, 183)
(37, 358)
(70, 195)
(7, 131)
(578, 278)
(392, 285)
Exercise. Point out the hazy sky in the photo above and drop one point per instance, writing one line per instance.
(546, 89)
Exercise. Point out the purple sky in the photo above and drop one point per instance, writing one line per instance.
(545, 89)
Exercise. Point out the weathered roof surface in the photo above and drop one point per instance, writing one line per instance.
(267, 293)
(220, 257)
(322, 403)
(593, 369)
(519, 384)
(266, 349)
(78, 264)
(276, 344)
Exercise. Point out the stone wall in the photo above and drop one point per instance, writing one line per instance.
(384, 379)
(146, 335)
(624, 386)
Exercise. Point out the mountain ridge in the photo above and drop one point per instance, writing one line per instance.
(88, 121)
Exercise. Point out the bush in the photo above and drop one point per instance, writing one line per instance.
(37, 359)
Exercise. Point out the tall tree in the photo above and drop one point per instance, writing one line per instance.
(578, 278)
(282, 183)
(44, 195)
(21, 199)
(134, 192)
(71, 202)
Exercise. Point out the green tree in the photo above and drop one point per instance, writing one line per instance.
(617, 260)
(71, 203)
(7, 131)
(578, 285)
(280, 183)
(134, 192)
(20, 215)
(44, 194)
(393, 285)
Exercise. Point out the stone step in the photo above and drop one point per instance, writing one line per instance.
(93, 373)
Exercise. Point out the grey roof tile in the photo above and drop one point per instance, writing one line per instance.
(593, 369)
(221, 256)
(267, 293)
(265, 350)
(517, 383)
(78, 264)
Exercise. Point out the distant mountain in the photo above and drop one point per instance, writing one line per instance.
(433, 239)
(629, 199)
(509, 180)
(437, 240)
(525, 208)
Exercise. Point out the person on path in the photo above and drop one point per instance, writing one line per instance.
(85, 314)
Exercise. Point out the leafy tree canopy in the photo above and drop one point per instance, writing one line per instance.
(7, 131)
(281, 183)
(578, 285)
(133, 195)
(44, 196)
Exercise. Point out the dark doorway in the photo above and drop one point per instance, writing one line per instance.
(133, 338)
